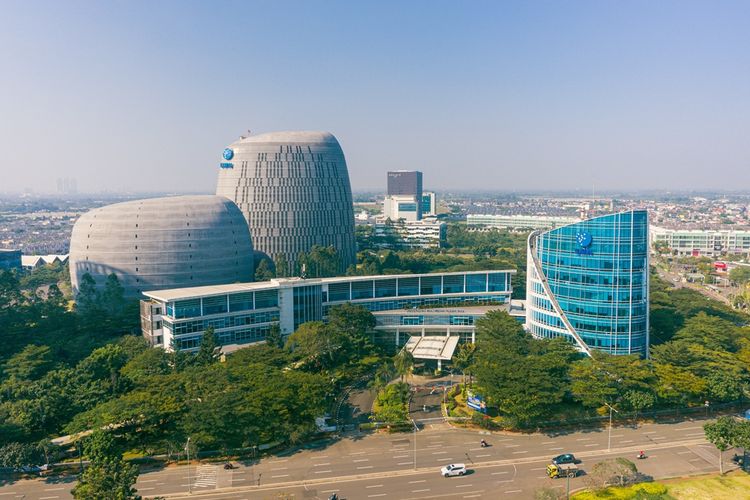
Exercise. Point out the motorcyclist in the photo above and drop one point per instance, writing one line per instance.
(641, 454)
(483, 443)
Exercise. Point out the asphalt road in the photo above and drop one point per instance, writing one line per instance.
(378, 465)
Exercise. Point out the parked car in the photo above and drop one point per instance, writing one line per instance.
(453, 470)
(567, 458)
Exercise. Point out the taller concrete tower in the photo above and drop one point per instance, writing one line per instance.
(293, 188)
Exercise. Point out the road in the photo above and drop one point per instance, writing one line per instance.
(364, 466)
(676, 280)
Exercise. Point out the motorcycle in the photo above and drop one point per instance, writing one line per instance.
(641, 456)
(483, 443)
(229, 466)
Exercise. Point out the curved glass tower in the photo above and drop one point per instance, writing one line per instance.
(588, 282)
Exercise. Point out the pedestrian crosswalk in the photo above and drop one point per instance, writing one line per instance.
(205, 476)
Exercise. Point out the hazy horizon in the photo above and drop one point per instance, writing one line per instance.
(486, 96)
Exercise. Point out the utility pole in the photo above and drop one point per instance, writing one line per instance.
(187, 449)
(415, 443)
(609, 435)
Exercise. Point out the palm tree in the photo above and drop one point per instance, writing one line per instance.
(403, 362)
(464, 358)
(383, 375)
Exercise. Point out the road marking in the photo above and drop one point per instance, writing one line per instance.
(234, 479)
(65, 488)
(617, 435)
(689, 428)
(650, 432)
(501, 472)
(145, 481)
(487, 455)
(439, 452)
(361, 460)
(314, 465)
(318, 457)
(280, 468)
(8, 493)
(471, 496)
(420, 481)
(378, 495)
(591, 444)
(404, 463)
(512, 445)
(584, 439)
(519, 452)
(278, 460)
(280, 475)
(142, 489)
(555, 449)
(695, 434)
(48, 498)
(658, 437)
(364, 467)
(420, 491)
(514, 491)
(329, 491)
(352, 453)
(464, 485)
(627, 441)
(400, 456)
(684, 452)
(548, 442)
(539, 468)
(374, 486)
(322, 471)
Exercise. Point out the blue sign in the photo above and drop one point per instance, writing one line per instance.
(226, 165)
(583, 239)
(228, 154)
(475, 401)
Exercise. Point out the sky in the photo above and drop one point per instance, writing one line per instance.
(495, 95)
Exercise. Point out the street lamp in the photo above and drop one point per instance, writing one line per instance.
(415, 443)
(187, 449)
(609, 436)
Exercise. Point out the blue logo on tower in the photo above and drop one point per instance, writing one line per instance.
(584, 240)
(228, 154)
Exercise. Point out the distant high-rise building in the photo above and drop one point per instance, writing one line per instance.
(405, 182)
(293, 188)
(67, 185)
(429, 204)
(587, 282)
(404, 198)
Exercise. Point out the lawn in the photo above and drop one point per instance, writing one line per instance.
(732, 486)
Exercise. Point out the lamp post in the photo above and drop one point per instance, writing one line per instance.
(609, 435)
(187, 449)
(415, 443)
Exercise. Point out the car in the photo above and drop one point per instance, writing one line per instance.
(567, 458)
(453, 470)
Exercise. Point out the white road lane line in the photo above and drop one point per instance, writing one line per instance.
(365, 467)
(555, 449)
(378, 495)
(519, 452)
(512, 445)
(280, 475)
(487, 455)
(317, 465)
(420, 491)
(420, 481)
(501, 472)
(627, 441)
(684, 452)
(689, 428)
(361, 460)
(322, 471)
(464, 485)
(514, 491)
(374, 486)
(404, 463)
(592, 444)
(539, 468)
(439, 452)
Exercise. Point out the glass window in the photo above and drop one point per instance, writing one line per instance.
(187, 308)
(338, 291)
(241, 301)
(453, 283)
(430, 285)
(215, 305)
(266, 298)
(408, 286)
(476, 283)
(362, 290)
(385, 288)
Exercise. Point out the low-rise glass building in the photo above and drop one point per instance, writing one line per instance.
(403, 305)
(588, 282)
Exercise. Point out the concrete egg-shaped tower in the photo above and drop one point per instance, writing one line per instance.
(293, 188)
(161, 243)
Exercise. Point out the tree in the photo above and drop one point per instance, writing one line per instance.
(113, 296)
(316, 343)
(638, 401)
(383, 375)
(619, 471)
(392, 404)
(273, 337)
(403, 362)
(547, 493)
(722, 434)
(29, 364)
(264, 272)
(87, 298)
(464, 358)
(605, 378)
(15, 455)
(282, 266)
(740, 275)
(208, 352)
(108, 475)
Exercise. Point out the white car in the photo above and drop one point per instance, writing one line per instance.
(453, 470)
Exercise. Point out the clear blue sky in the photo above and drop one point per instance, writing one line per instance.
(478, 95)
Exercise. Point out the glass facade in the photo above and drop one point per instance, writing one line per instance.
(596, 271)
(244, 316)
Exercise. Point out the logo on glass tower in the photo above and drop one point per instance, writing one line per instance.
(228, 154)
(584, 243)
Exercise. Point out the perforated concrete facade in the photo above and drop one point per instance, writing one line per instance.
(163, 243)
(293, 188)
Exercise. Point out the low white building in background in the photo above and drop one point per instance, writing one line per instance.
(702, 242)
(410, 234)
(30, 262)
(527, 222)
